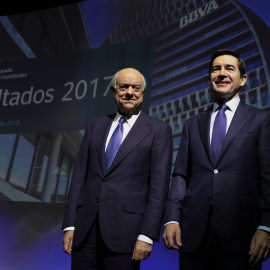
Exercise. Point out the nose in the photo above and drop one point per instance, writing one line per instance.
(130, 90)
(222, 72)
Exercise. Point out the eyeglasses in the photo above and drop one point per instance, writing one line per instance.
(125, 87)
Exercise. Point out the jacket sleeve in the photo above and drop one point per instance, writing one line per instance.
(264, 171)
(160, 170)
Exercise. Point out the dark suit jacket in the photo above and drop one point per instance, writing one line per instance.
(238, 186)
(130, 197)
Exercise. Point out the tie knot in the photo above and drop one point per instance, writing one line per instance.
(223, 107)
(122, 120)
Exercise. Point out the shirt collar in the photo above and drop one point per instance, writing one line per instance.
(232, 104)
(130, 121)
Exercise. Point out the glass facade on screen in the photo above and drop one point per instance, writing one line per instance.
(37, 167)
(188, 32)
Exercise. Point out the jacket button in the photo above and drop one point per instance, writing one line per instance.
(215, 170)
(208, 198)
(97, 200)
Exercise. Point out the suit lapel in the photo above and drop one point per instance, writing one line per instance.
(137, 133)
(204, 129)
(101, 138)
(242, 115)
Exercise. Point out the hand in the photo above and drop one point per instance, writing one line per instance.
(260, 247)
(142, 251)
(67, 242)
(172, 236)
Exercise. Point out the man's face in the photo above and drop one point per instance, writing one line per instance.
(225, 78)
(129, 91)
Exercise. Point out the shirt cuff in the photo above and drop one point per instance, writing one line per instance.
(69, 229)
(145, 238)
(264, 228)
(171, 222)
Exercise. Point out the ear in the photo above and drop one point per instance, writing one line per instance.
(243, 80)
(113, 88)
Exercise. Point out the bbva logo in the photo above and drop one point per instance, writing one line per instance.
(200, 12)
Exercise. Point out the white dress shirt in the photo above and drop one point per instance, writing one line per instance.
(232, 104)
(126, 126)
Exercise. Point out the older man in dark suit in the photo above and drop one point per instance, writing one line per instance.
(220, 190)
(117, 197)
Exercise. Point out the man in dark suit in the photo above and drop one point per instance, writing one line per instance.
(116, 205)
(220, 189)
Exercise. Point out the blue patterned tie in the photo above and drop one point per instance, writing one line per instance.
(114, 143)
(219, 132)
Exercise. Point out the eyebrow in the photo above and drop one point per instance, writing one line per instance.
(226, 65)
(129, 84)
(126, 83)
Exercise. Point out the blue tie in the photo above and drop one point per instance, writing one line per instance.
(114, 143)
(219, 132)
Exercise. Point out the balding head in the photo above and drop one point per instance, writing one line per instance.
(114, 79)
